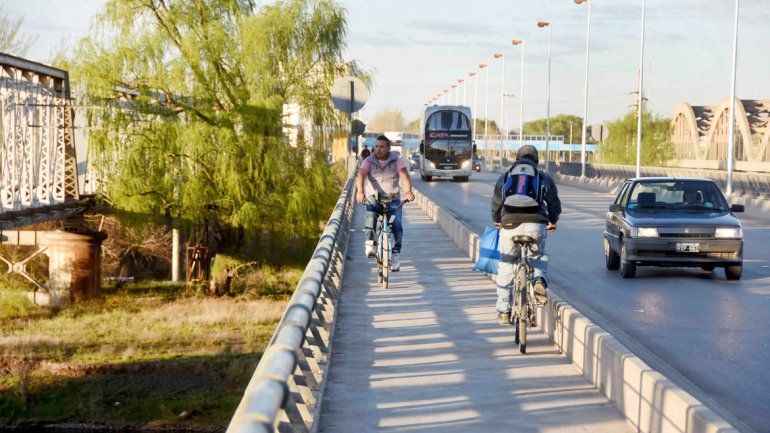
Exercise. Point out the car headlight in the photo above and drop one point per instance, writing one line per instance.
(467, 164)
(431, 165)
(729, 232)
(644, 232)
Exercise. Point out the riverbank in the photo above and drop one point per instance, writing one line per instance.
(146, 356)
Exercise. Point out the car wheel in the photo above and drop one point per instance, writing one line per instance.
(708, 268)
(428, 178)
(627, 269)
(611, 258)
(734, 272)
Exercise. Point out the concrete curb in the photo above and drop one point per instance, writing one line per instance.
(648, 400)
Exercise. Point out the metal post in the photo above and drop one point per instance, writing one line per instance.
(475, 101)
(731, 138)
(175, 249)
(640, 108)
(521, 99)
(465, 92)
(585, 101)
(548, 98)
(351, 161)
(502, 109)
(486, 112)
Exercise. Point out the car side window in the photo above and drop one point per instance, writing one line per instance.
(621, 198)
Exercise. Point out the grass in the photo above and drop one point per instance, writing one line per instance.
(142, 355)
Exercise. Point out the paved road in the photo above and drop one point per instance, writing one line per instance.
(428, 355)
(708, 334)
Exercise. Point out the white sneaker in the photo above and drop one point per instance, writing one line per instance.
(369, 249)
(395, 264)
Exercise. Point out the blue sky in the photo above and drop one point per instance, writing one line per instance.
(418, 47)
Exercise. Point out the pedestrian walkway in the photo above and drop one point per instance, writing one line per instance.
(427, 354)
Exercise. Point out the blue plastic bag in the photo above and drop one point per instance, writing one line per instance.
(489, 256)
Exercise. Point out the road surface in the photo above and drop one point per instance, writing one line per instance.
(707, 334)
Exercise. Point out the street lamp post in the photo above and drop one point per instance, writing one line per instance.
(585, 92)
(731, 139)
(475, 100)
(457, 93)
(462, 84)
(640, 106)
(542, 24)
(502, 102)
(486, 107)
(521, 93)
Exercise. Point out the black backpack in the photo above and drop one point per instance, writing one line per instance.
(523, 189)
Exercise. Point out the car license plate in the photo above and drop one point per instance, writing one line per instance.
(687, 248)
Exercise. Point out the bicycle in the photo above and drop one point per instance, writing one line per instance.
(524, 307)
(384, 236)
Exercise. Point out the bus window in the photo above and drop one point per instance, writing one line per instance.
(448, 120)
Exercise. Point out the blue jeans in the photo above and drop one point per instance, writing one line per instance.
(394, 216)
(510, 252)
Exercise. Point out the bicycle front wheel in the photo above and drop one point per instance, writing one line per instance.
(385, 263)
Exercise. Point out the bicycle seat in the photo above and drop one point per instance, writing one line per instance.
(523, 239)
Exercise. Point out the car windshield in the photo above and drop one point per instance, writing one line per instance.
(677, 195)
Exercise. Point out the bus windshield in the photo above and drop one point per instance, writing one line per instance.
(447, 148)
(448, 120)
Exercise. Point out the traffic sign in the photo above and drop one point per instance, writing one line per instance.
(349, 94)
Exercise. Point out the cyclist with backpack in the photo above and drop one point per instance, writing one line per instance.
(525, 202)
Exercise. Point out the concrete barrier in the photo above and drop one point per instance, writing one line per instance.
(756, 208)
(649, 401)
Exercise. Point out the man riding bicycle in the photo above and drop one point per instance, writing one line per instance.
(385, 171)
(525, 202)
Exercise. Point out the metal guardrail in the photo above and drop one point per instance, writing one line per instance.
(756, 185)
(285, 391)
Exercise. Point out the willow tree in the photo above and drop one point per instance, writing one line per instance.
(192, 94)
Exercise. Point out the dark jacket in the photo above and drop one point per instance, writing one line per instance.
(549, 210)
(365, 153)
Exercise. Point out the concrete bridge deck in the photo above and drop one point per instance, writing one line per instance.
(427, 354)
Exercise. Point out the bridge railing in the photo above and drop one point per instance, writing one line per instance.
(285, 391)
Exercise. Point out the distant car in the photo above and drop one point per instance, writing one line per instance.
(476, 163)
(673, 222)
(414, 161)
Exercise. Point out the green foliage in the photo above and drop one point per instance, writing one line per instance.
(413, 126)
(11, 41)
(620, 145)
(560, 125)
(387, 120)
(194, 134)
(357, 127)
(492, 128)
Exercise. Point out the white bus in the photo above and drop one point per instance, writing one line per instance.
(446, 143)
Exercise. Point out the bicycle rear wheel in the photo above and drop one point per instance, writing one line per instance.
(522, 278)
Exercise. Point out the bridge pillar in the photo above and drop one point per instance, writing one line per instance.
(74, 267)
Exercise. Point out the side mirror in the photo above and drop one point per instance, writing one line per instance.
(615, 207)
(422, 147)
(737, 208)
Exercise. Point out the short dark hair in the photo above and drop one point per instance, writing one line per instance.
(383, 138)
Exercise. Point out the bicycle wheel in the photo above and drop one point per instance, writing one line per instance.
(522, 278)
(385, 261)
